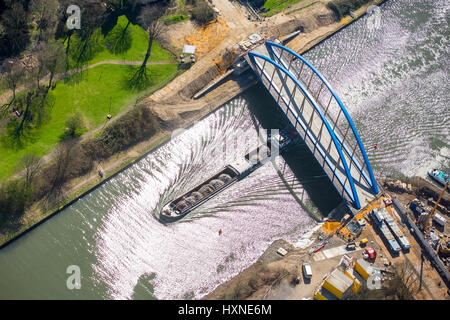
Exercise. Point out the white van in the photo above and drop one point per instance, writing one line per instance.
(307, 271)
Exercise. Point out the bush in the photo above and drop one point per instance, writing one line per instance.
(134, 126)
(168, 20)
(74, 127)
(342, 8)
(203, 13)
(14, 197)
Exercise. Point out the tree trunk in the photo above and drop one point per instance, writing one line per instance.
(67, 50)
(25, 114)
(50, 80)
(149, 51)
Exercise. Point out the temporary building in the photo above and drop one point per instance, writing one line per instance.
(363, 268)
(338, 284)
(188, 49)
(352, 274)
(282, 251)
(439, 219)
(324, 294)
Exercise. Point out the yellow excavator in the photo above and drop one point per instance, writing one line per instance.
(444, 247)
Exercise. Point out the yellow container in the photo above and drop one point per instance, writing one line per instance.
(356, 286)
(356, 283)
(324, 294)
(364, 241)
(338, 283)
(319, 296)
(363, 268)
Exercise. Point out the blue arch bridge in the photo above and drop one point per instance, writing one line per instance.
(319, 117)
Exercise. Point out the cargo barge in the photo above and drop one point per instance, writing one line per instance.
(181, 206)
(439, 176)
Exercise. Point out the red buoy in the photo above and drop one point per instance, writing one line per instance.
(220, 232)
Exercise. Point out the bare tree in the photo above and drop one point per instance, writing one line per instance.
(44, 14)
(50, 60)
(59, 174)
(12, 80)
(404, 284)
(31, 165)
(149, 19)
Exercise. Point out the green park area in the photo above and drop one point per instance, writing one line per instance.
(135, 44)
(92, 94)
(275, 6)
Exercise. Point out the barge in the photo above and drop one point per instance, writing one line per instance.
(181, 206)
(439, 176)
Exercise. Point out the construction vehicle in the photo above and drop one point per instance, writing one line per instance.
(444, 247)
(424, 226)
(351, 246)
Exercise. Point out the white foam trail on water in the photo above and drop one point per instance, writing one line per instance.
(189, 258)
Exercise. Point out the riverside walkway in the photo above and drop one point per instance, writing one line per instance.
(321, 119)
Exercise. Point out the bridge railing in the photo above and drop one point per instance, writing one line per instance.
(332, 107)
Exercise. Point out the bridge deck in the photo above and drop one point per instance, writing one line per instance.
(309, 124)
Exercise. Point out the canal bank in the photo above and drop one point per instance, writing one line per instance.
(117, 242)
(186, 115)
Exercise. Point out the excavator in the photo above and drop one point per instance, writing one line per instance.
(444, 244)
(424, 226)
(444, 247)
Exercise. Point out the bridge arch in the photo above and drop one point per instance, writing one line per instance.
(284, 93)
(287, 57)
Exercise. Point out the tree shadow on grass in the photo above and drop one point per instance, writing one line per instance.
(137, 79)
(75, 78)
(13, 142)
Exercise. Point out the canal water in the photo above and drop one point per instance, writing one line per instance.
(394, 81)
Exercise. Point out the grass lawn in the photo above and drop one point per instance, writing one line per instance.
(174, 18)
(277, 6)
(138, 47)
(91, 97)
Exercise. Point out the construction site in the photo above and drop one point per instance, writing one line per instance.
(367, 256)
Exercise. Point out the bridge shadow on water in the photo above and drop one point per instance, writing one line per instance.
(300, 160)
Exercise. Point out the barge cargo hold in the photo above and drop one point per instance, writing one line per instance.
(178, 208)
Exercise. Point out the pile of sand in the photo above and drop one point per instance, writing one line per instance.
(208, 36)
